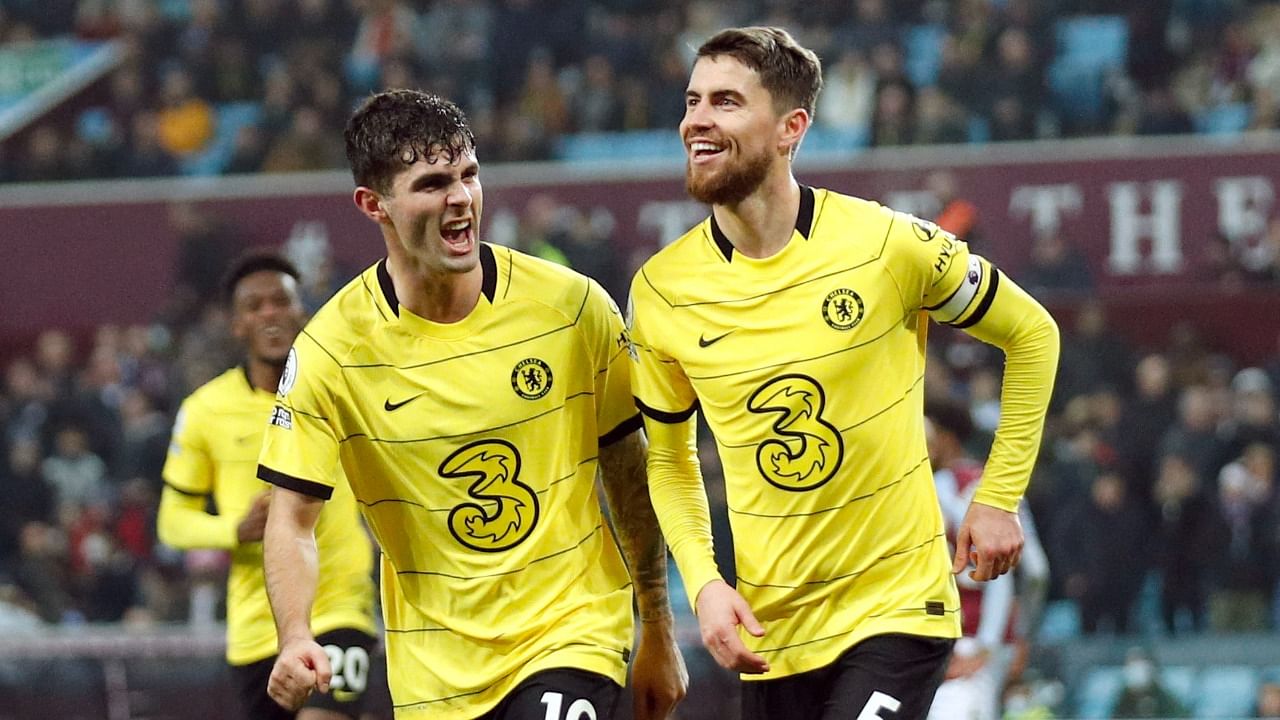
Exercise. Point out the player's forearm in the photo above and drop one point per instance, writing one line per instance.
(1029, 337)
(622, 466)
(680, 501)
(291, 562)
(183, 523)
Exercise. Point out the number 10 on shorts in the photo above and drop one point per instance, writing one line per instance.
(580, 709)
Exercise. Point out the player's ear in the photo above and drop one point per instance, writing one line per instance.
(793, 125)
(370, 203)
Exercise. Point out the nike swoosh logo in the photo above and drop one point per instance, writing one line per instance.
(246, 438)
(391, 407)
(703, 341)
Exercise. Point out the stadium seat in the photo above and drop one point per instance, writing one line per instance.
(923, 48)
(1226, 119)
(611, 147)
(1088, 49)
(1181, 681)
(1226, 691)
(1097, 695)
(1061, 622)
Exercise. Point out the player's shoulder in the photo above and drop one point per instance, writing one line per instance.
(849, 217)
(227, 390)
(350, 316)
(678, 265)
(542, 282)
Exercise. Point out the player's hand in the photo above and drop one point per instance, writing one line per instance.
(658, 676)
(301, 666)
(254, 522)
(720, 611)
(991, 539)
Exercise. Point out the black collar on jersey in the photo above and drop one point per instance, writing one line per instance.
(488, 282)
(804, 223)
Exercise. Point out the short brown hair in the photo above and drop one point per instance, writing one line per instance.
(790, 72)
(393, 129)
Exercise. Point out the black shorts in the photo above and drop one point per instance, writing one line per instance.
(348, 651)
(560, 694)
(891, 677)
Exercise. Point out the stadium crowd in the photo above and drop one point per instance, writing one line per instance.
(531, 73)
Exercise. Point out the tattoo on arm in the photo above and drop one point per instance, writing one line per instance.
(626, 486)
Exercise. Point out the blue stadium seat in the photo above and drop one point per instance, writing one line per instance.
(610, 147)
(1181, 681)
(922, 45)
(1225, 119)
(1061, 622)
(821, 140)
(1098, 40)
(1226, 691)
(231, 117)
(1089, 47)
(1097, 695)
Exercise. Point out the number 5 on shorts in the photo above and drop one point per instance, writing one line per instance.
(580, 709)
(879, 701)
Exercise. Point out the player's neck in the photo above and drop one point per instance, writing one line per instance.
(441, 297)
(761, 225)
(263, 375)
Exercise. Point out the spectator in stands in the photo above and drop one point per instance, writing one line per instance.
(304, 146)
(1194, 436)
(1245, 542)
(1252, 417)
(247, 151)
(1146, 416)
(1103, 581)
(894, 120)
(44, 160)
(1144, 696)
(1093, 356)
(77, 476)
(146, 156)
(542, 101)
(1056, 264)
(1161, 114)
(24, 406)
(598, 105)
(938, 119)
(185, 121)
(28, 497)
(1183, 536)
(848, 94)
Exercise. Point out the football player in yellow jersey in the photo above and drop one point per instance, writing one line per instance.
(214, 452)
(794, 319)
(471, 393)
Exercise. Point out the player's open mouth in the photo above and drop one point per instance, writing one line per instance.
(701, 151)
(457, 235)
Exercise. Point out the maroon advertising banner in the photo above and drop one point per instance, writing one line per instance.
(1145, 216)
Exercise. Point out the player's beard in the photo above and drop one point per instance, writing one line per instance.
(731, 185)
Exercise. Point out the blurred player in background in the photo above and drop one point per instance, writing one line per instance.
(995, 616)
(216, 440)
(470, 392)
(794, 318)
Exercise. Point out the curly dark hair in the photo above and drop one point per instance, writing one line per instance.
(394, 129)
(790, 72)
(251, 262)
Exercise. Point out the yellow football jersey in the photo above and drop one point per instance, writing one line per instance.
(214, 451)
(809, 368)
(472, 449)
